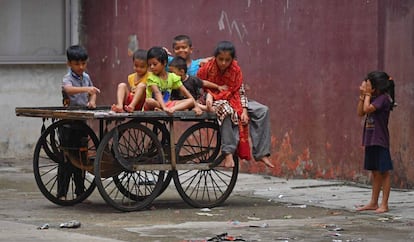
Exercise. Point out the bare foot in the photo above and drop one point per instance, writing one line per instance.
(228, 161)
(117, 109)
(129, 109)
(367, 207)
(381, 210)
(266, 161)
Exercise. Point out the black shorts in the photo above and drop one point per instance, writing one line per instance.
(377, 158)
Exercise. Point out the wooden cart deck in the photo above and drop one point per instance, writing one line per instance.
(104, 112)
(134, 158)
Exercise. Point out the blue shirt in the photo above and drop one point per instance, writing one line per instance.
(192, 69)
(73, 79)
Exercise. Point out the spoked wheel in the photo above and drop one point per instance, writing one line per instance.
(120, 152)
(62, 162)
(161, 131)
(209, 187)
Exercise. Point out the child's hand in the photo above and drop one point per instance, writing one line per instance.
(244, 117)
(368, 87)
(362, 87)
(91, 105)
(166, 50)
(93, 90)
(209, 103)
(197, 110)
(222, 88)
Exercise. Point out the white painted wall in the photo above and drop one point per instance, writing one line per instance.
(26, 86)
(30, 86)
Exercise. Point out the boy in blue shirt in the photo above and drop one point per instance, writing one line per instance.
(183, 47)
(77, 90)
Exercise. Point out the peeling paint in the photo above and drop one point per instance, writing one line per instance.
(132, 44)
(224, 23)
(294, 57)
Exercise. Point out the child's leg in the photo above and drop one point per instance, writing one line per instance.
(228, 160)
(376, 188)
(138, 97)
(209, 102)
(183, 104)
(121, 94)
(386, 189)
(78, 178)
(151, 104)
(63, 178)
(203, 107)
(229, 140)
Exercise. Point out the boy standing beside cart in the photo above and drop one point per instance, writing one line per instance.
(77, 90)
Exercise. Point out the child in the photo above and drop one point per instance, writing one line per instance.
(192, 84)
(182, 46)
(160, 84)
(133, 98)
(259, 117)
(231, 111)
(376, 102)
(77, 90)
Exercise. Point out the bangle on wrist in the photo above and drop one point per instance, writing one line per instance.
(368, 94)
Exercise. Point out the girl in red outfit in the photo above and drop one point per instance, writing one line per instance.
(230, 107)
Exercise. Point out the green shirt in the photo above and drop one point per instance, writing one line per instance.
(166, 86)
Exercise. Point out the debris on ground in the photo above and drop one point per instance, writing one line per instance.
(297, 206)
(253, 218)
(263, 225)
(73, 224)
(225, 237)
(44, 226)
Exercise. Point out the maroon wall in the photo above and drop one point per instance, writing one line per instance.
(304, 59)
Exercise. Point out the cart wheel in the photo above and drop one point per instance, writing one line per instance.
(203, 188)
(124, 188)
(161, 131)
(49, 155)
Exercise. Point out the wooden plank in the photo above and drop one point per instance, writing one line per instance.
(81, 113)
(167, 167)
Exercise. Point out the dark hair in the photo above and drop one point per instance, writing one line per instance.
(179, 63)
(140, 54)
(182, 37)
(76, 53)
(382, 82)
(158, 53)
(225, 46)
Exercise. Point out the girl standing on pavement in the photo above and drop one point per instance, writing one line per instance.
(376, 102)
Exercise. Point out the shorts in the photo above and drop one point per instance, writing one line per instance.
(170, 104)
(377, 158)
(129, 99)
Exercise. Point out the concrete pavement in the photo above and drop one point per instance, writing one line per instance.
(294, 192)
(323, 193)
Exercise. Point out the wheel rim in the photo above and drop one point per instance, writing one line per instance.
(129, 144)
(47, 157)
(203, 188)
(161, 131)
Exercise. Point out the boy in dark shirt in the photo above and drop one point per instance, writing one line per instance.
(193, 84)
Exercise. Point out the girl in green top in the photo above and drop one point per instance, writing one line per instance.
(160, 84)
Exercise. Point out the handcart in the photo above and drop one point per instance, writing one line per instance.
(132, 159)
